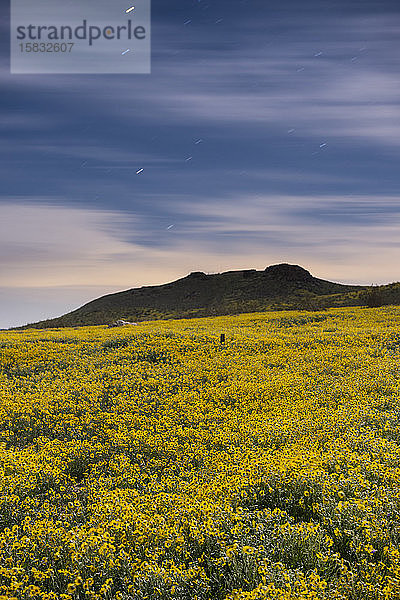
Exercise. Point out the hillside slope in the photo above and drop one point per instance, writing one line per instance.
(197, 294)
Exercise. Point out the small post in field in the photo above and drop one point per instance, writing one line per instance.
(222, 338)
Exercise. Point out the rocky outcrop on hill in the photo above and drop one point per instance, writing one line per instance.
(286, 272)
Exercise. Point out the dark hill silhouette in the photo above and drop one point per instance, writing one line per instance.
(198, 294)
(285, 272)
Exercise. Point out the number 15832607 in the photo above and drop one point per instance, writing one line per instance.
(46, 47)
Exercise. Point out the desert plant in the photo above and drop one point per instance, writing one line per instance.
(374, 297)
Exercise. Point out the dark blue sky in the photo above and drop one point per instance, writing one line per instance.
(267, 132)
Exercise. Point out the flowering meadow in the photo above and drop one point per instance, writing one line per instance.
(154, 462)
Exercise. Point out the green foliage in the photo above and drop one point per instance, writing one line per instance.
(374, 297)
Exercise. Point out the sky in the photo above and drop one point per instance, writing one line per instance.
(267, 132)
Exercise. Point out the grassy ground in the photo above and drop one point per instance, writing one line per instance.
(153, 462)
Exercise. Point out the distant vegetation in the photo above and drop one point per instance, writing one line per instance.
(381, 295)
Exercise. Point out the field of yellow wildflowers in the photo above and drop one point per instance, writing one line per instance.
(153, 462)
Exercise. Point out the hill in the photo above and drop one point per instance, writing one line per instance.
(278, 287)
